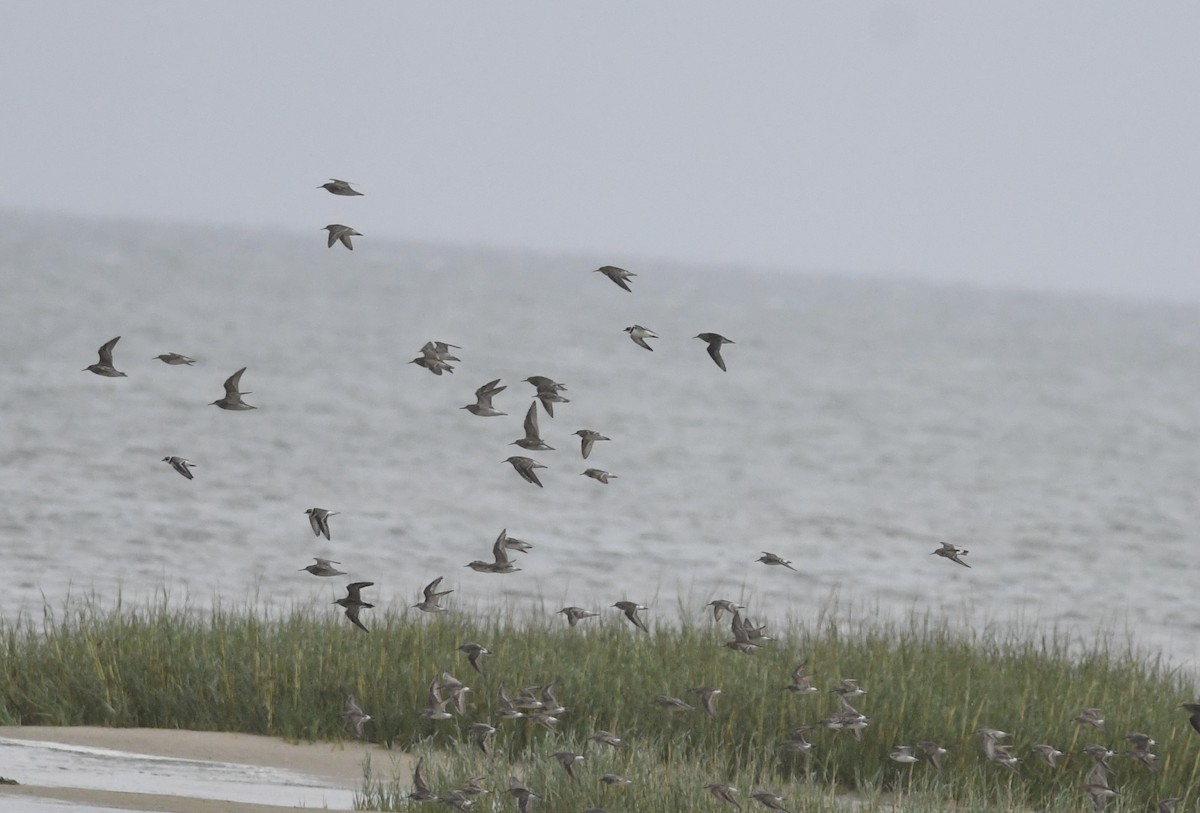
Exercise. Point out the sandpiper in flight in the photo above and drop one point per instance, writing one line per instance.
(104, 366)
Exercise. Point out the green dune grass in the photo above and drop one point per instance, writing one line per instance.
(288, 674)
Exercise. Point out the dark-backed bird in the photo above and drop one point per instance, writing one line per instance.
(338, 232)
(104, 366)
(618, 275)
(715, 340)
(354, 604)
(233, 396)
(337, 186)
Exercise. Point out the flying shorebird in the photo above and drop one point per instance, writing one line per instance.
(523, 795)
(482, 733)
(323, 567)
(474, 652)
(1093, 717)
(771, 801)
(618, 275)
(802, 680)
(587, 439)
(343, 233)
(355, 716)
(354, 604)
(1049, 753)
(180, 465)
(720, 606)
(715, 340)
(598, 474)
(501, 563)
(630, 608)
(430, 603)
(1100, 794)
(608, 738)
(935, 753)
(639, 335)
(772, 559)
(318, 518)
(541, 382)
(525, 467)
(339, 187)
(903, 754)
(458, 691)
(548, 392)
(512, 543)
(435, 707)
(436, 357)
(724, 793)
(532, 440)
(848, 688)
(175, 359)
(1194, 708)
(670, 703)
(746, 636)
(708, 699)
(951, 552)
(612, 779)
(421, 791)
(567, 759)
(1141, 741)
(104, 366)
(483, 400)
(576, 614)
(233, 397)
(505, 709)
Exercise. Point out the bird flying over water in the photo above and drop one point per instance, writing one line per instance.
(104, 366)
(587, 439)
(339, 187)
(618, 275)
(772, 559)
(233, 396)
(180, 465)
(323, 567)
(338, 232)
(525, 467)
(436, 357)
(548, 392)
(483, 400)
(532, 440)
(951, 552)
(175, 359)
(318, 518)
(639, 335)
(715, 340)
(598, 474)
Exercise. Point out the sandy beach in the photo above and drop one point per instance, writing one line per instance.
(336, 765)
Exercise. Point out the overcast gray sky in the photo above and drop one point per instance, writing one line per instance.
(1048, 144)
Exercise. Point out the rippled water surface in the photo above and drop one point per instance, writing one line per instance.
(859, 425)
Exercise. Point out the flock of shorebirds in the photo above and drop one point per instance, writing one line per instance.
(539, 704)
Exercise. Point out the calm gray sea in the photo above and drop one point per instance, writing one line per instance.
(860, 424)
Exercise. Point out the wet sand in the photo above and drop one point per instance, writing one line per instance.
(340, 764)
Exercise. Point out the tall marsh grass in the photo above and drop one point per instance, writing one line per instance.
(288, 674)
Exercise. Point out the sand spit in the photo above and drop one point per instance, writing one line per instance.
(160, 770)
